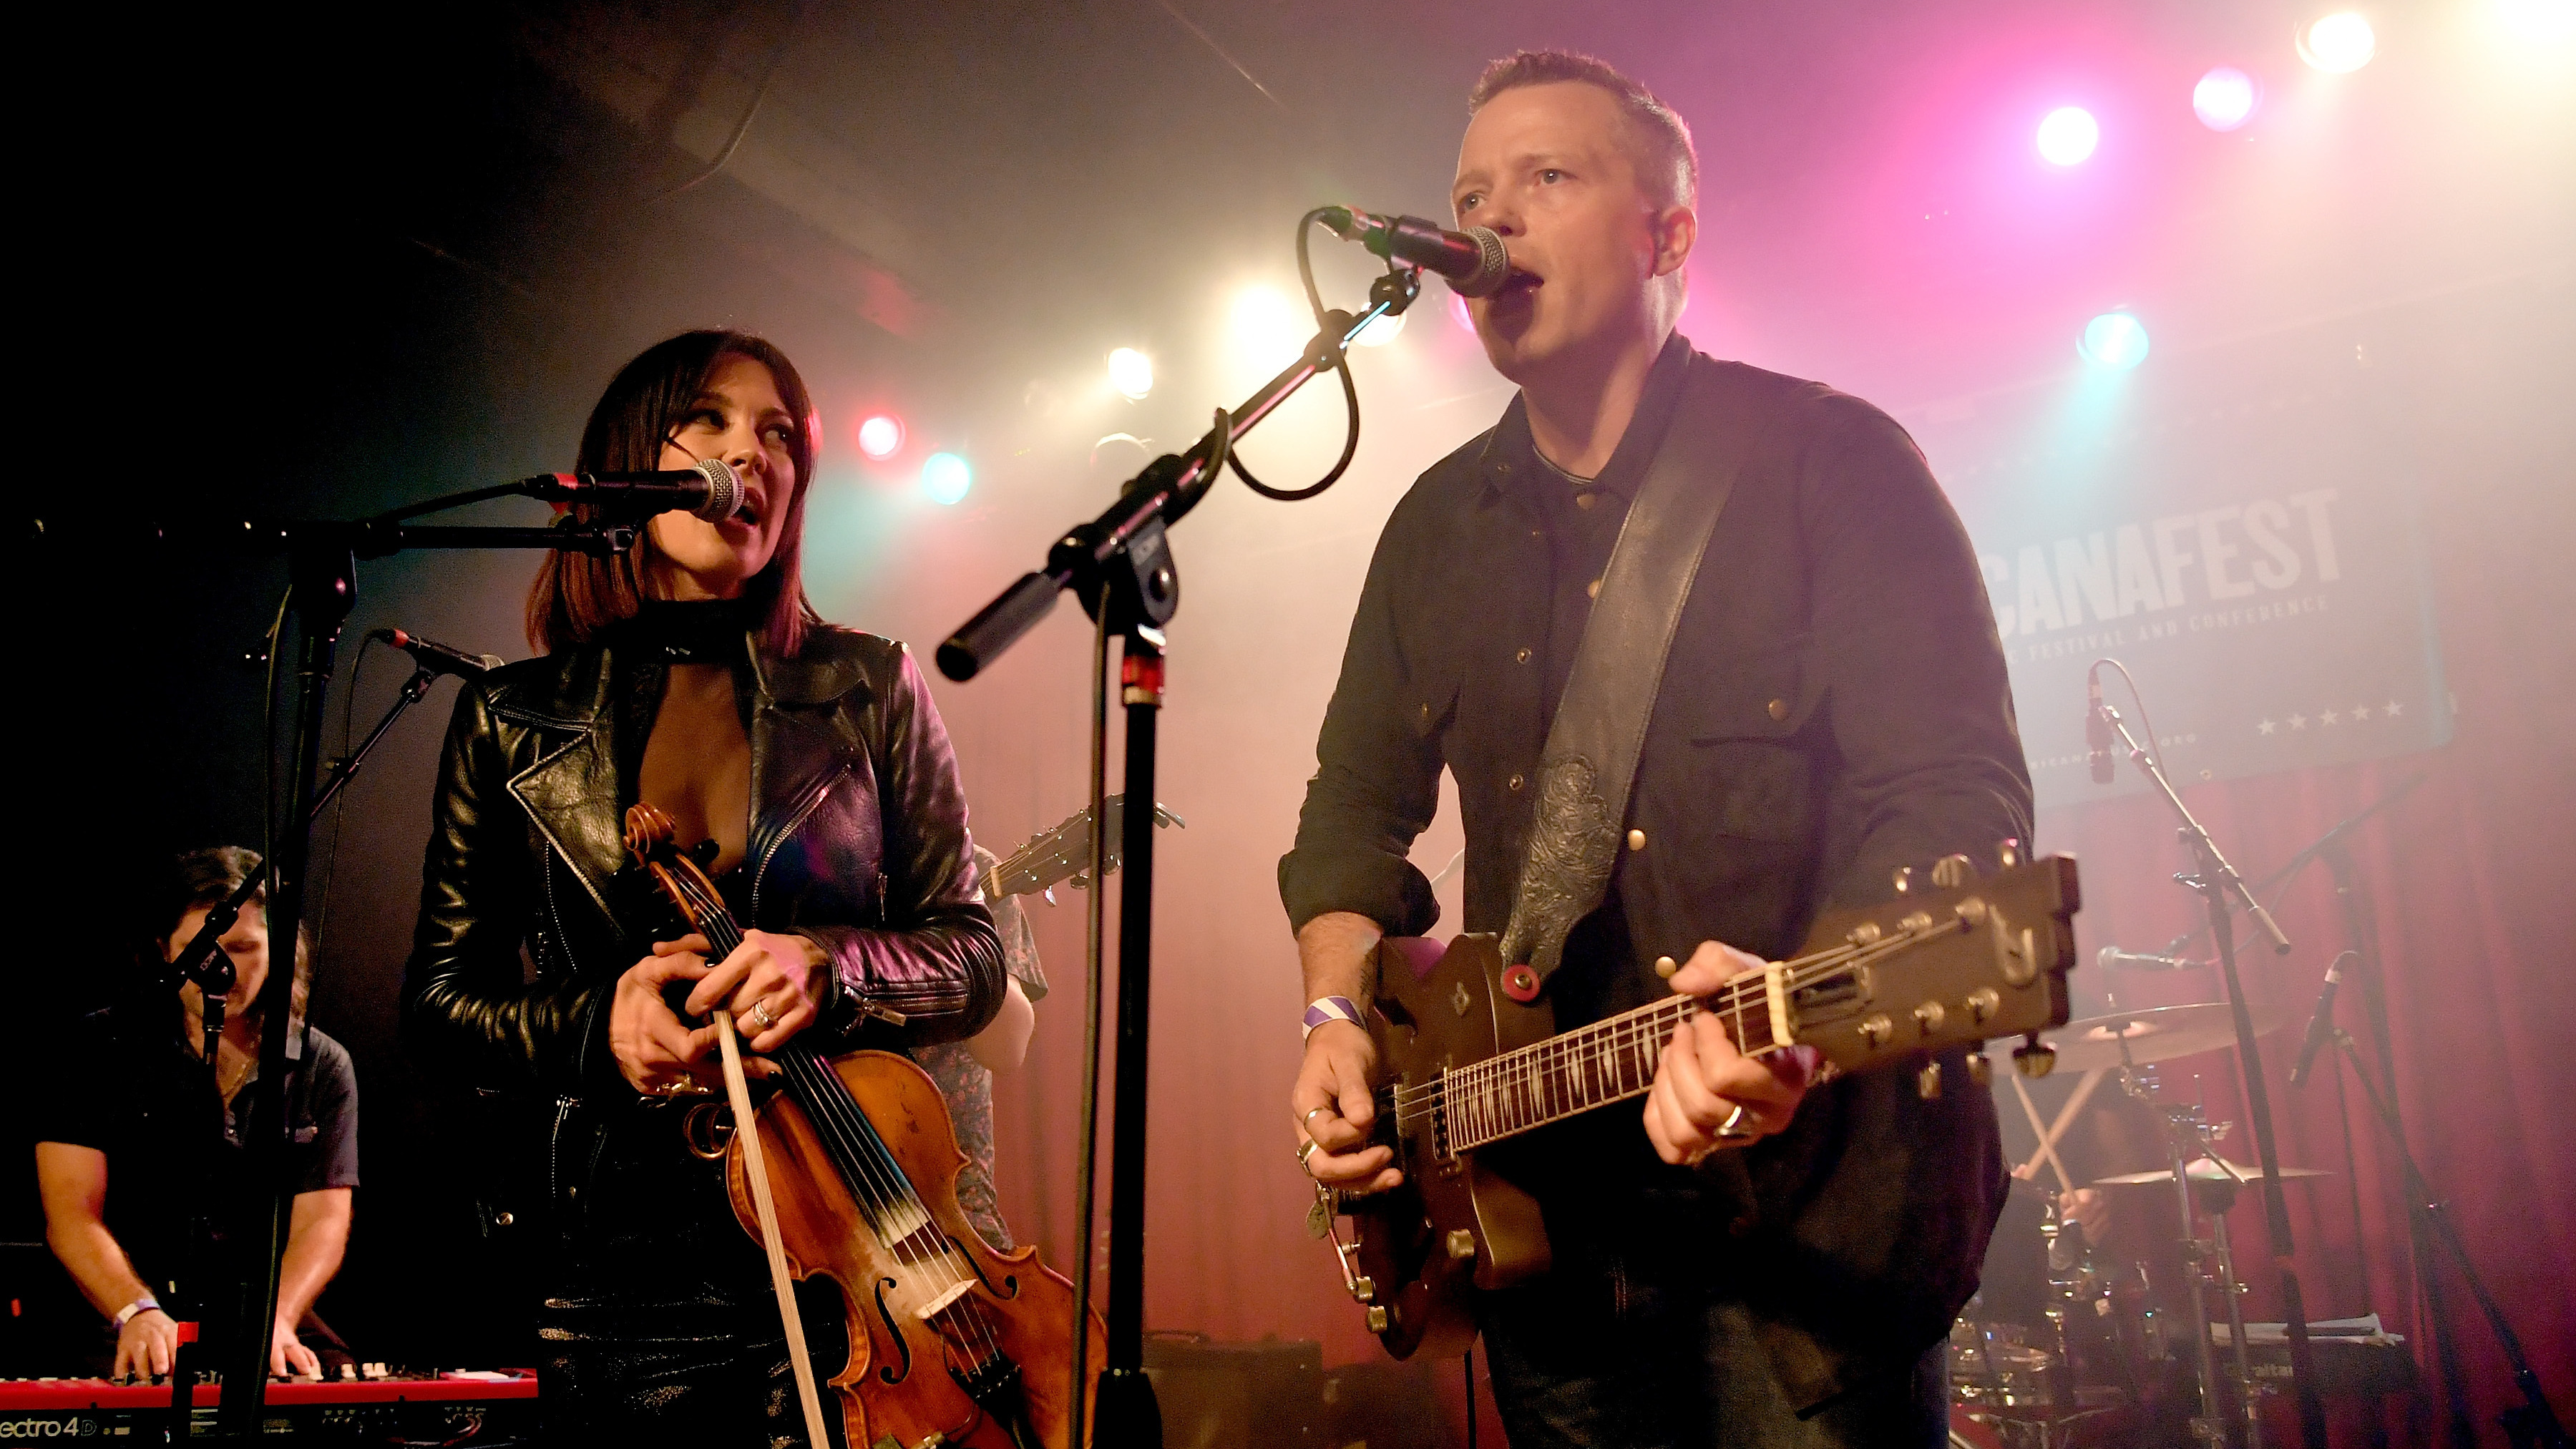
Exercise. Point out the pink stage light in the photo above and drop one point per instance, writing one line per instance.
(2068, 135)
(880, 436)
(2225, 98)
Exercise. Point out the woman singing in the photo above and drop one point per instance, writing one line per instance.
(690, 673)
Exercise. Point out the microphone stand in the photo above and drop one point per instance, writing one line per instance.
(1120, 565)
(203, 961)
(322, 588)
(2220, 887)
(2533, 1424)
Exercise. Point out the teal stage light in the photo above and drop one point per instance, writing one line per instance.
(2114, 340)
(945, 477)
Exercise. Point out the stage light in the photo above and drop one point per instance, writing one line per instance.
(2338, 43)
(2225, 98)
(1382, 331)
(2114, 340)
(880, 436)
(2068, 135)
(1268, 329)
(1132, 373)
(2544, 22)
(945, 477)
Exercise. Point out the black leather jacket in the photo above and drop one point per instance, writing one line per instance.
(858, 841)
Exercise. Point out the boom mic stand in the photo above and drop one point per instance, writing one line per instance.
(1120, 565)
(2533, 1424)
(322, 587)
(2221, 888)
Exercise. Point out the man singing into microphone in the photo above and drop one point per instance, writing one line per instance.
(1757, 1259)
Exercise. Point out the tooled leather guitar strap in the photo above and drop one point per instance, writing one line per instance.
(1590, 759)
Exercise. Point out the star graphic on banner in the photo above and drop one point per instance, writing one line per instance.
(2298, 721)
(2361, 711)
(2266, 726)
(2329, 717)
(2394, 709)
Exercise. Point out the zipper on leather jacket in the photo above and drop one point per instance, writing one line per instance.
(796, 817)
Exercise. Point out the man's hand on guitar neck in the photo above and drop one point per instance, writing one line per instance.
(1707, 1094)
(1332, 1101)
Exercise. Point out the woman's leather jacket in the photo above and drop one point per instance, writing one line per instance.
(858, 841)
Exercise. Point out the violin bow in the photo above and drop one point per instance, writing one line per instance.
(648, 835)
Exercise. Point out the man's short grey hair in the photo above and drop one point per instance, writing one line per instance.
(1667, 162)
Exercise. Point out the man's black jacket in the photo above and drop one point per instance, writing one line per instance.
(1834, 707)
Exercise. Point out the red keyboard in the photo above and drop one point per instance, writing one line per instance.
(447, 1388)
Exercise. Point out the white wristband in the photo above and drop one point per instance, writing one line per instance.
(144, 1304)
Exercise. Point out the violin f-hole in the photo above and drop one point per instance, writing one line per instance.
(902, 1368)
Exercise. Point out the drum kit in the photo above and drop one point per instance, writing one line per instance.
(2128, 1355)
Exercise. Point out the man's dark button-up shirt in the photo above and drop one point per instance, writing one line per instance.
(1834, 706)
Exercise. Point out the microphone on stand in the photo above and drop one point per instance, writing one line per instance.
(438, 658)
(711, 490)
(2321, 1025)
(2097, 728)
(2112, 958)
(1473, 261)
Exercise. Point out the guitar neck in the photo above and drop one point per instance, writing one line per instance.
(1608, 1061)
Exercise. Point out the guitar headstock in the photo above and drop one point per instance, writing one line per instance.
(1063, 851)
(1954, 960)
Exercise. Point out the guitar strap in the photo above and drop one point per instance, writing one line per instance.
(1590, 760)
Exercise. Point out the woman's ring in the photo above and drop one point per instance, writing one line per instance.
(760, 1013)
(1305, 1152)
(1310, 1114)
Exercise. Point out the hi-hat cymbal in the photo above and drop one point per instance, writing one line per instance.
(2205, 1170)
(2154, 1035)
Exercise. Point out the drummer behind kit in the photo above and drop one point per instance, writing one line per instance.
(2112, 1366)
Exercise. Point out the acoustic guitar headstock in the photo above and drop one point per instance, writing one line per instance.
(1956, 959)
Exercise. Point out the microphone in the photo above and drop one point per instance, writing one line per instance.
(2321, 1025)
(2097, 728)
(2112, 958)
(1474, 261)
(710, 490)
(438, 658)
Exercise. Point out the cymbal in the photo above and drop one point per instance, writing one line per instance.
(2204, 1170)
(2155, 1035)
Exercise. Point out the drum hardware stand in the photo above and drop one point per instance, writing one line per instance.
(1120, 566)
(2184, 1123)
(2220, 888)
(2532, 1424)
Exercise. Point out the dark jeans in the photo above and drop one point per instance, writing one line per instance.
(660, 1327)
(1626, 1343)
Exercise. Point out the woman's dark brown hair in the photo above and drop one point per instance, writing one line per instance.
(577, 595)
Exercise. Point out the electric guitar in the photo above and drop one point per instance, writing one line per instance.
(1952, 961)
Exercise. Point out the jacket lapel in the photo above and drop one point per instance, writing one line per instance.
(800, 744)
(570, 789)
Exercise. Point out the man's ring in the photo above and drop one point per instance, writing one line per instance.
(1305, 1152)
(1732, 1129)
(760, 1013)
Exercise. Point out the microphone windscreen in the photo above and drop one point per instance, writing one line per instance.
(1493, 265)
(724, 490)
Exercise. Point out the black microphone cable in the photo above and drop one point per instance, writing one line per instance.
(1341, 364)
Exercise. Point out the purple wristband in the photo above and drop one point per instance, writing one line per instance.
(1330, 1008)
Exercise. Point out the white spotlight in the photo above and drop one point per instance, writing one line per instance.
(1132, 373)
(1268, 329)
(2338, 43)
(1381, 331)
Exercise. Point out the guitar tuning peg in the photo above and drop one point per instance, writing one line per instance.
(1904, 879)
(2009, 853)
(1952, 871)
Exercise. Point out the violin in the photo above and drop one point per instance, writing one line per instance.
(851, 1176)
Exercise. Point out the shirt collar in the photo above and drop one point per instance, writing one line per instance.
(1510, 456)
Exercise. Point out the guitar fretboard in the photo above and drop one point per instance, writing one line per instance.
(1593, 1066)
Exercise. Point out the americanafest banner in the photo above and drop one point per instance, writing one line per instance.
(2255, 564)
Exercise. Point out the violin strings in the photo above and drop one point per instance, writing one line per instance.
(853, 1142)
